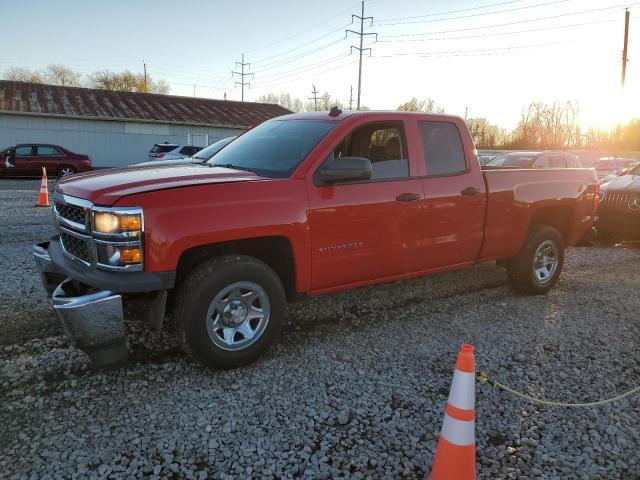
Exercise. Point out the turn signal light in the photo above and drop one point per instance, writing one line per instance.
(130, 256)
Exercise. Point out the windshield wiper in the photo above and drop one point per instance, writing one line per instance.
(230, 165)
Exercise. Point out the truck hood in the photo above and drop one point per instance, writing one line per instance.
(630, 183)
(106, 187)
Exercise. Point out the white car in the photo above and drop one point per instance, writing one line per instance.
(200, 157)
(172, 151)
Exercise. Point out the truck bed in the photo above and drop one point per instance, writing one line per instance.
(513, 194)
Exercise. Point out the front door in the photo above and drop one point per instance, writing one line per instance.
(366, 230)
(25, 161)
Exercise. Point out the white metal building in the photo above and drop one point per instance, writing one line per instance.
(119, 128)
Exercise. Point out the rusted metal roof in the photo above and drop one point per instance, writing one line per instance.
(52, 100)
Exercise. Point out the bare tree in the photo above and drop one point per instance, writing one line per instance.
(414, 105)
(62, 75)
(127, 82)
(19, 74)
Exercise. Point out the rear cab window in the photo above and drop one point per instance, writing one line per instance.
(443, 149)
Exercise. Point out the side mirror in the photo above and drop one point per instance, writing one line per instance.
(345, 169)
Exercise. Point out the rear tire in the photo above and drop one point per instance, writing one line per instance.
(230, 310)
(538, 265)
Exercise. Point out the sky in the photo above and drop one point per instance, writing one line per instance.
(488, 58)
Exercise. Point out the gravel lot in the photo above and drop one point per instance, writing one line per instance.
(355, 388)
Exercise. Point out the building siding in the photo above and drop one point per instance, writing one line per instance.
(109, 143)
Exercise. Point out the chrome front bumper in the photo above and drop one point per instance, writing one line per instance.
(92, 319)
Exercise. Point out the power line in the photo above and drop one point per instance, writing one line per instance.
(304, 31)
(496, 34)
(511, 23)
(242, 74)
(279, 63)
(452, 11)
(309, 66)
(360, 49)
(262, 60)
(466, 51)
(477, 14)
(295, 79)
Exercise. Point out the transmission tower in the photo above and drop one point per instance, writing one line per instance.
(242, 74)
(360, 49)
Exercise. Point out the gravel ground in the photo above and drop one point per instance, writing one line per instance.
(355, 388)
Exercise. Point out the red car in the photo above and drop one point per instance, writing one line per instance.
(27, 160)
(300, 205)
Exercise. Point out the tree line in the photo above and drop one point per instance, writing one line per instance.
(541, 126)
(125, 81)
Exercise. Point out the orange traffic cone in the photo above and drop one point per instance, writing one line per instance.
(43, 196)
(456, 451)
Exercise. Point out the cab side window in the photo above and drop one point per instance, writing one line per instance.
(556, 161)
(383, 145)
(443, 150)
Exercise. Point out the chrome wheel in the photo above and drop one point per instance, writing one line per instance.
(238, 316)
(545, 262)
(64, 171)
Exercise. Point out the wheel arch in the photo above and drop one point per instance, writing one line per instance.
(275, 251)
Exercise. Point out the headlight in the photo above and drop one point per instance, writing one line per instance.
(118, 237)
(114, 223)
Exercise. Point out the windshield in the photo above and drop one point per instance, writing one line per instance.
(211, 150)
(522, 160)
(274, 148)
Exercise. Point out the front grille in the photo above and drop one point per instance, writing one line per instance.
(70, 212)
(618, 201)
(75, 246)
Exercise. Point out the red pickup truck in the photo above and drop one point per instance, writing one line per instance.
(302, 204)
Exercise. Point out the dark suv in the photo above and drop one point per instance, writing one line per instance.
(27, 160)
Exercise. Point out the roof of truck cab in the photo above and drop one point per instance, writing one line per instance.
(324, 115)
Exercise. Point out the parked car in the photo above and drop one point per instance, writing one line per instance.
(303, 204)
(619, 211)
(610, 166)
(27, 160)
(172, 151)
(200, 157)
(620, 173)
(546, 159)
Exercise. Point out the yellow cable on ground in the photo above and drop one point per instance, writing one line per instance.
(483, 377)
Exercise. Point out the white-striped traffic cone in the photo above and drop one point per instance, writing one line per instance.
(43, 195)
(456, 451)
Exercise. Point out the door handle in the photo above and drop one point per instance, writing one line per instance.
(470, 191)
(408, 197)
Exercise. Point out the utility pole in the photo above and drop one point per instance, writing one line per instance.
(361, 33)
(624, 50)
(225, 95)
(144, 66)
(314, 98)
(242, 83)
(194, 89)
(465, 114)
(351, 99)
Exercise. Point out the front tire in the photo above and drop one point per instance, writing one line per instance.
(230, 309)
(538, 265)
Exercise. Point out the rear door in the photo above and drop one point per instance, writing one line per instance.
(455, 197)
(49, 157)
(367, 230)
